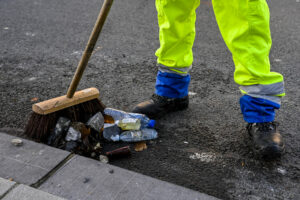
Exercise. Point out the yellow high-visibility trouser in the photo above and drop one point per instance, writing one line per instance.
(244, 25)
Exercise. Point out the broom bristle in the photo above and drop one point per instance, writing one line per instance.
(39, 126)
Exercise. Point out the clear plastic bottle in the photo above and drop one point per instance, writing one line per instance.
(119, 115)
(111, 132)
(116, 114)
(129, 124)
(147, 123)
(140, 135)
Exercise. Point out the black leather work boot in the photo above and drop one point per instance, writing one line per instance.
(158, 106)
(266, 139)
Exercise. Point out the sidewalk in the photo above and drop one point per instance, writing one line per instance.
(10, 190)
(42, 172)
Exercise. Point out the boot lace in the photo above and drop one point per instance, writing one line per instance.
(264, 127)
(161, 99)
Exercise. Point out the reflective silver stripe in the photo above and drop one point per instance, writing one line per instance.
(270, 98)
(184, 70)
(269, 90)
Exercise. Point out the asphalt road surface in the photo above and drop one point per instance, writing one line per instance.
(204, 148)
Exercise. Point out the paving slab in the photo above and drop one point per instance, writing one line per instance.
(24, 192)
(5, 185)
(28, 163)
(84, 178)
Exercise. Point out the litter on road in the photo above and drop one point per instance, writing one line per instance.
(120, 152)
(17, 142)
(88, 137)
(103, 159)
(140, 146)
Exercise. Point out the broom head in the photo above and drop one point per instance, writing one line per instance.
(80, 107)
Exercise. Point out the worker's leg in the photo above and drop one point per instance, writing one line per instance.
(244, 25)
(176, 19)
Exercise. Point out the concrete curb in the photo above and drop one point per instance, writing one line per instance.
(57, 174)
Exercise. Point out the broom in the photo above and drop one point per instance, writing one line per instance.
(76, 106)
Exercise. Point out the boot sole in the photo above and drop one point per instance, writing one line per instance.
(269, 152)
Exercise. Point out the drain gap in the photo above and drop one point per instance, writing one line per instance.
(53, 171)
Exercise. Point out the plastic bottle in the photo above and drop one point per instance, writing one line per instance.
(111, 132)
(140, 135)
(119, 115)
(129, 124)
(148, 123)
(116, 114)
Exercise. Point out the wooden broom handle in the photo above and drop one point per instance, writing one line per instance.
(89, 47)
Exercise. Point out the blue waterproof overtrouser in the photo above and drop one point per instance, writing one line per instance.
(244, 25)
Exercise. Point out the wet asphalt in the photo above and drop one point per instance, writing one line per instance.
(204, 148)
